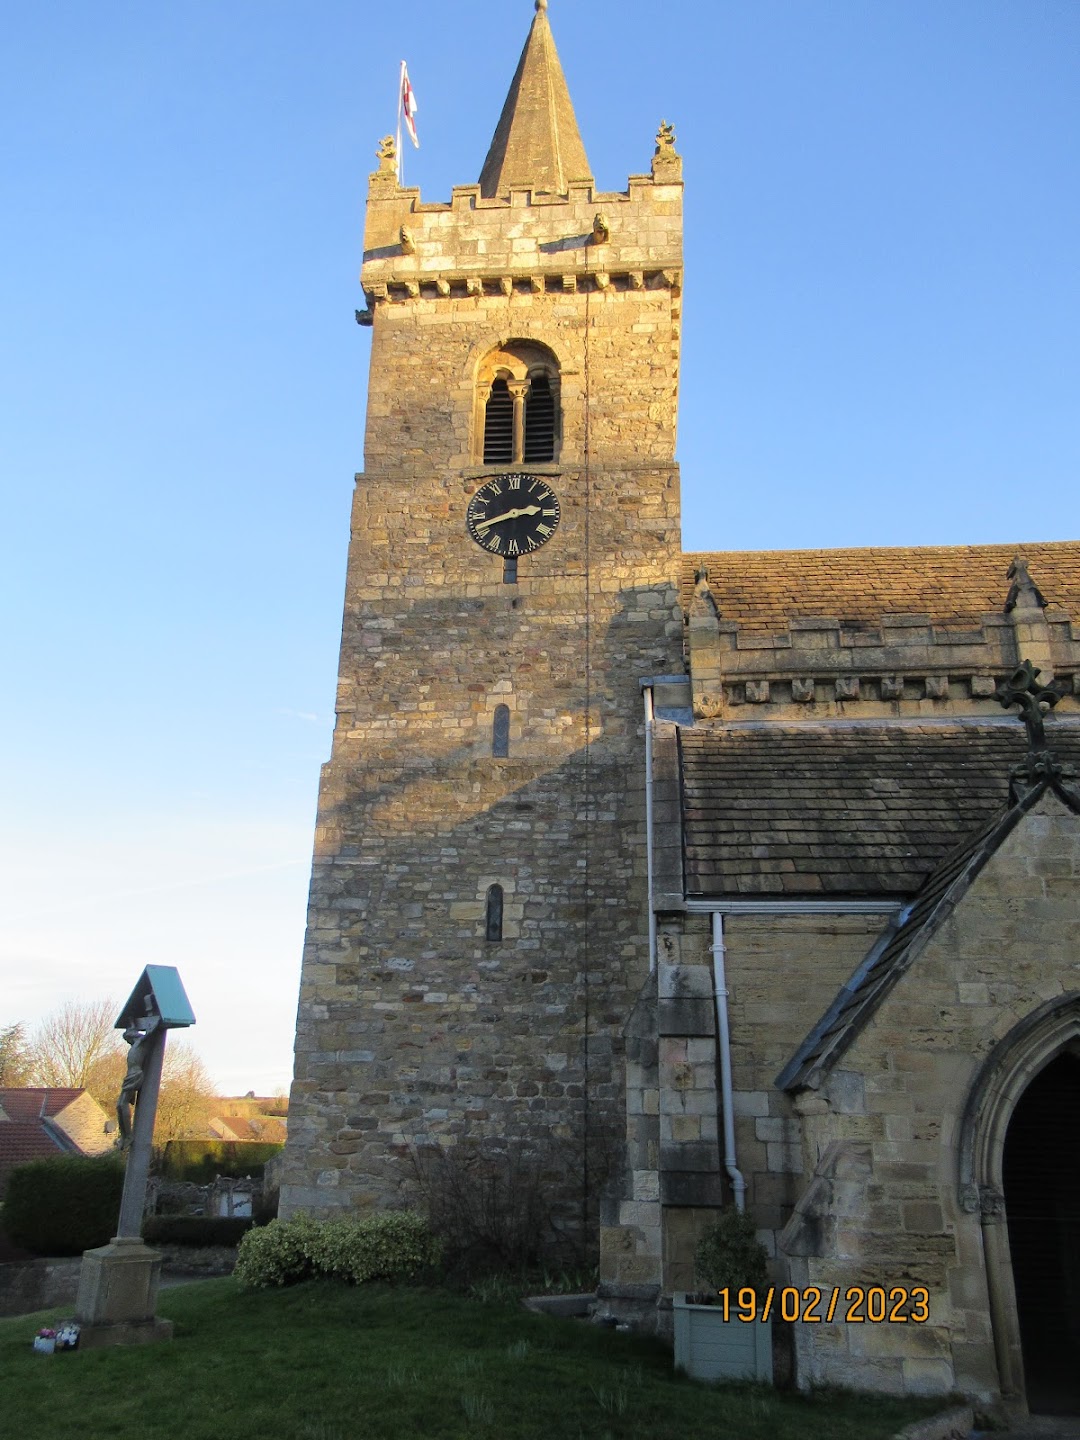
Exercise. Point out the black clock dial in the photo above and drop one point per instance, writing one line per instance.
(513, 514)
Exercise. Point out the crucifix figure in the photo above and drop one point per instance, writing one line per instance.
(140, 1036)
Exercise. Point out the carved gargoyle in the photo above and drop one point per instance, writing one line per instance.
(1023, 587)
(665, 137)
(601, 231)
(387, 155)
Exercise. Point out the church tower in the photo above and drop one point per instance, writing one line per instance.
(478, 922)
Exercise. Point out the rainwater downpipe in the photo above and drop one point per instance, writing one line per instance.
(649, 717)
(723, 1040)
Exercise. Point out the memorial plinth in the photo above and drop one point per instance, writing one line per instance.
(117, 1300)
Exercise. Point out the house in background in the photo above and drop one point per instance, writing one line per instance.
(40, 1123)
(250, 1119)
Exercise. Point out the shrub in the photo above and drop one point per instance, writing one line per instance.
(276, 1254)
(195, 1229)
(729, 1255)
(65, 1205)
(390, 1245)
(201, 1160)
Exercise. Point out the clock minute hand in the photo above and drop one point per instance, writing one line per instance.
(507, 515)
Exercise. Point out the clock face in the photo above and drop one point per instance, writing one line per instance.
(513, 514)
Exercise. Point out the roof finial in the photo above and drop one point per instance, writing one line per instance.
(541, 4)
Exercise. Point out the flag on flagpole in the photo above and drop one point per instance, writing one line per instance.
(408, 105)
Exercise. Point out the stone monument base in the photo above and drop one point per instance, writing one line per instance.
(117, 1299)
(124, 1332)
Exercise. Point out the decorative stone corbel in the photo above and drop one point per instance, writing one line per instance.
(802, 691)
(603, 279)
(937, 687)
(506, 285)
(637, 280)
(443, 287)
(412, 289)
(892, 687)
(474, 286)
(536, 284)
(847, 687)
(569, 283)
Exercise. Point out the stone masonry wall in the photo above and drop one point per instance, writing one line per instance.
(884, 1206)
(782, 973)
(412, 1028)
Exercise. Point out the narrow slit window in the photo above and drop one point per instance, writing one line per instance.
(539, 421)
(499, 425)
(493, 929)
(500, 732)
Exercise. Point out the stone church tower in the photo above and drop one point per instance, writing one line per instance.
(478, 922)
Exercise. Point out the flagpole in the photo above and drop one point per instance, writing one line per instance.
(400, 102)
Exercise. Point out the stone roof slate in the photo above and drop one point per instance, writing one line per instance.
(954, 585)
(901, 942)
(851, 809)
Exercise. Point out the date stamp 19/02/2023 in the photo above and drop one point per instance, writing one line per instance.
(855, 1305)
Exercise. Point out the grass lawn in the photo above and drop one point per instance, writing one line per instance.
(323, 1361)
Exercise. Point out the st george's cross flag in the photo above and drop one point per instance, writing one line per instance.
(408, 105)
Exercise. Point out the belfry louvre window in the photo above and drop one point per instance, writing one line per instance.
(517, 414)
(499, 426)
(539, 421)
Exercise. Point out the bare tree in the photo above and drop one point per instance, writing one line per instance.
(74, 1042)
(16, 1061)
(187, 1096)
(79, 1046)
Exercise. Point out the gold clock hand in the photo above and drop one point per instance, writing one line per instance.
(507, 515)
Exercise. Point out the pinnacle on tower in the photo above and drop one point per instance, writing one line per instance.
(537, 144)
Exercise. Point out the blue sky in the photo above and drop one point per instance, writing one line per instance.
(880, 347)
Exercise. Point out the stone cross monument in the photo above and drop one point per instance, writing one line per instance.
(118, 1282)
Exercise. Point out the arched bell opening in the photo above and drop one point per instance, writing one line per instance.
(518, 412)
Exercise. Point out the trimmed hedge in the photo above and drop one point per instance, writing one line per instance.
(65, 1205)
(201, 1160)
(389, 1245)
(195, 1229)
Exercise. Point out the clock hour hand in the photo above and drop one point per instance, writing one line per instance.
(507, 515)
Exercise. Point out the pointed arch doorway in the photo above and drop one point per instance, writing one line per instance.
(1041, 1182)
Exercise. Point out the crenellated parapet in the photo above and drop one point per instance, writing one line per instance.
(530, 243)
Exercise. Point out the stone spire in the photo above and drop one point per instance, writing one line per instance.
(536, 143)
